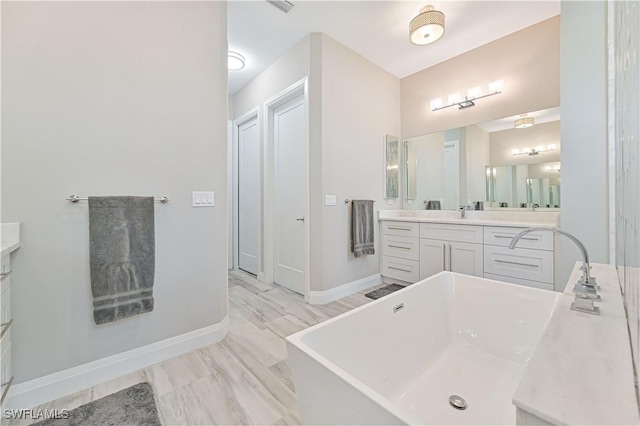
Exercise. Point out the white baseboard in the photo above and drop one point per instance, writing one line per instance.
(326, 296)
(56, 385)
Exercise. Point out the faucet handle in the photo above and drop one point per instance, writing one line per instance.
(586, 291)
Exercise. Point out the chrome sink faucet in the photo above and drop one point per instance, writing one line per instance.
(463, 212)
(586, 289)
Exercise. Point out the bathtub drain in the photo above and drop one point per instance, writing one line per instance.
(457, 402)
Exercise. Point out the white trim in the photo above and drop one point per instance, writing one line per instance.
(326, 296)
(56, 385)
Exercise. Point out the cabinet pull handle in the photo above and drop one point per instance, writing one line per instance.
(523, 238)
(400, 269)
(516, 263)
(399, 247)
(444, 256)
(4, 275)
(398, 228)
(6, 390)
(450, 258)
(5, 327)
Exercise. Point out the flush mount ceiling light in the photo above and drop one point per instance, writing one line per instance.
(236, 61)
(473, 94)
(427, 27)
(523, 122)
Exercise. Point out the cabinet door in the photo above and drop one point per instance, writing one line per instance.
(432, 257)
(466, 258)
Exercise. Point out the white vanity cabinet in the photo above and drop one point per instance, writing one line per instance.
(412, 251)
(455, 248)
(5, 329)
(401, 251)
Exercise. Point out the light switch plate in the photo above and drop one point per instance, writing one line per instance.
(329, 200)
(203, 199)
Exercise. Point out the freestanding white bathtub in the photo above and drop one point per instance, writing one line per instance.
(398, 359)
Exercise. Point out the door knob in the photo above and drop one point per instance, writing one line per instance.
(300, 219)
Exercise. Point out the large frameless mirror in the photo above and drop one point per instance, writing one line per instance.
(486, 165)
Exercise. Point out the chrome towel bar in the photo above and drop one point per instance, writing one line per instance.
(75, 199)
(347, 201)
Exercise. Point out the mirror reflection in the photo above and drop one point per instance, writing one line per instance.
(487, 165)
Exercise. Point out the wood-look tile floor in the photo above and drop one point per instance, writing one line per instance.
(242, 380)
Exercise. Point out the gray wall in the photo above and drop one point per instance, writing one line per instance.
(360, 105)
(107, 98)
(585, 202)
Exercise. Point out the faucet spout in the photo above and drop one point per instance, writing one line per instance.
(586, 288)
(463, 211)
(587, 279)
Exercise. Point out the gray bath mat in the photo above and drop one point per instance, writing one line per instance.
(132, 406)
(383, 291)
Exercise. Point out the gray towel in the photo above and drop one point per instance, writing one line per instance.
(433, 205)
(362, 228)
(122, 256)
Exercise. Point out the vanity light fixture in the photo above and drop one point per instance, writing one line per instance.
(534, 151)
(552, 168)
(427, 27)
(473, 94)
(523, 122)
(235, 61)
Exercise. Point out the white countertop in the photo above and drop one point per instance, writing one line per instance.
(9, 237)
(473, 217)
(582, 372)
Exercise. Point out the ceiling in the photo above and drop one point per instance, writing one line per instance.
(377, 30)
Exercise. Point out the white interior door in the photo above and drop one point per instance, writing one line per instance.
(249, 204)
(290, 179)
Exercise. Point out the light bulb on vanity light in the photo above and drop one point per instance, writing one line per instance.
(454, 98)
(496, 86)
(436, 104)
(474, 92)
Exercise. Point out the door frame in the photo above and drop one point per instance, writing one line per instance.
(299, 88)
(248, 116)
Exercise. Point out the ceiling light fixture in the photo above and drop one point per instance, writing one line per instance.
(235, 61)
(427, 27)
(534, 151)
(473, 94)
(523, 122)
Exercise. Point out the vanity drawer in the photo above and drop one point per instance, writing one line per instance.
(5, 270)
(501, 236)
(526, 264)
(5, 305)
(520, 281)
(446, 232)
(401, 269)
(400, 229)
(403, 247)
